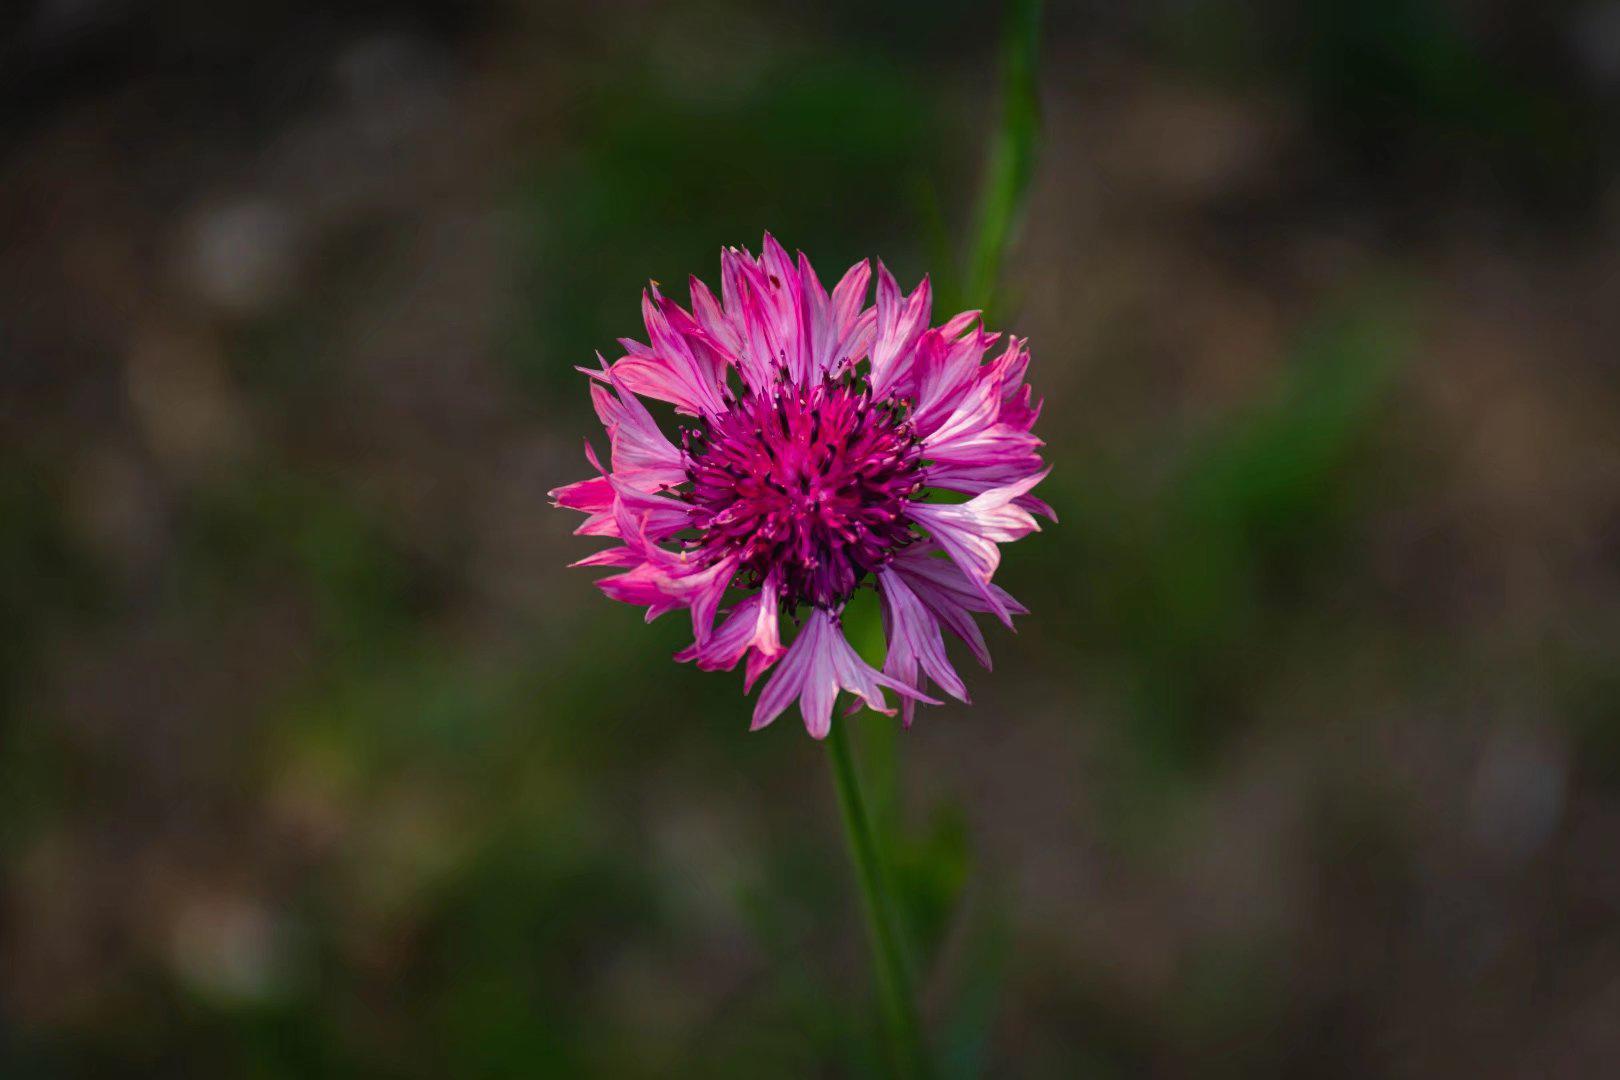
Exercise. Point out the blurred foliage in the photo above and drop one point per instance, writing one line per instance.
(1406, 87)
(667, 170)
(1011, 164)
(1193, 574)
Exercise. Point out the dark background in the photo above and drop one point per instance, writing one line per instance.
(314, 759)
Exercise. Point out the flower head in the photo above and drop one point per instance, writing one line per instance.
(817, 435)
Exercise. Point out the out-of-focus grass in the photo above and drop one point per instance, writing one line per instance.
(1011, 163)
(1404, 83)
(46, 586)
(1189, 575)
(820, 148)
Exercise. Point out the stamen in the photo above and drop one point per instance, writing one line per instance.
(809, 485)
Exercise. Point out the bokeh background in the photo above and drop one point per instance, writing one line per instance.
(314, 759)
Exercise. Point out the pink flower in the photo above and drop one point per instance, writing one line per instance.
(814, 432)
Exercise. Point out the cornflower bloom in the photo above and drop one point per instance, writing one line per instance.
(824, 446)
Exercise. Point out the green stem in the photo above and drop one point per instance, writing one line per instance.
(1011, 164)
(882, 918)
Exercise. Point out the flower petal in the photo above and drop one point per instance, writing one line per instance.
(642, 454)
(944, 371)
(791, 311)
(668, 370)
(751, 628)
(914, 638)
(942, 587)
(970, 531)
(900, 323)
(818, 664)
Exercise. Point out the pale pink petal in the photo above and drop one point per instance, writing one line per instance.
(750, 628)
(944, 372)
(855, 343)
(652, 377)
(712, 357)
(646, 514)
(787, 681)
(1007, 371)
(914, 638)
(942, 587)
(821, 333)
(852, 330)
(668, 370)
(667, 581)
(792, 312)
(642, 455)
(849, 295)
(900, 323)
(763, 352)
(645, 585)
(958, 324)
(976, 479)
(969, 532)
(818, 664)
(720, 328)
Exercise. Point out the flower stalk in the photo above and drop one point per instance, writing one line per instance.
(889, 959)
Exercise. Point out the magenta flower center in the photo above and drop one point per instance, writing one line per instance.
(809, 487)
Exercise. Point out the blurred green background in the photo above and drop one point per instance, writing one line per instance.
(314, 759)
